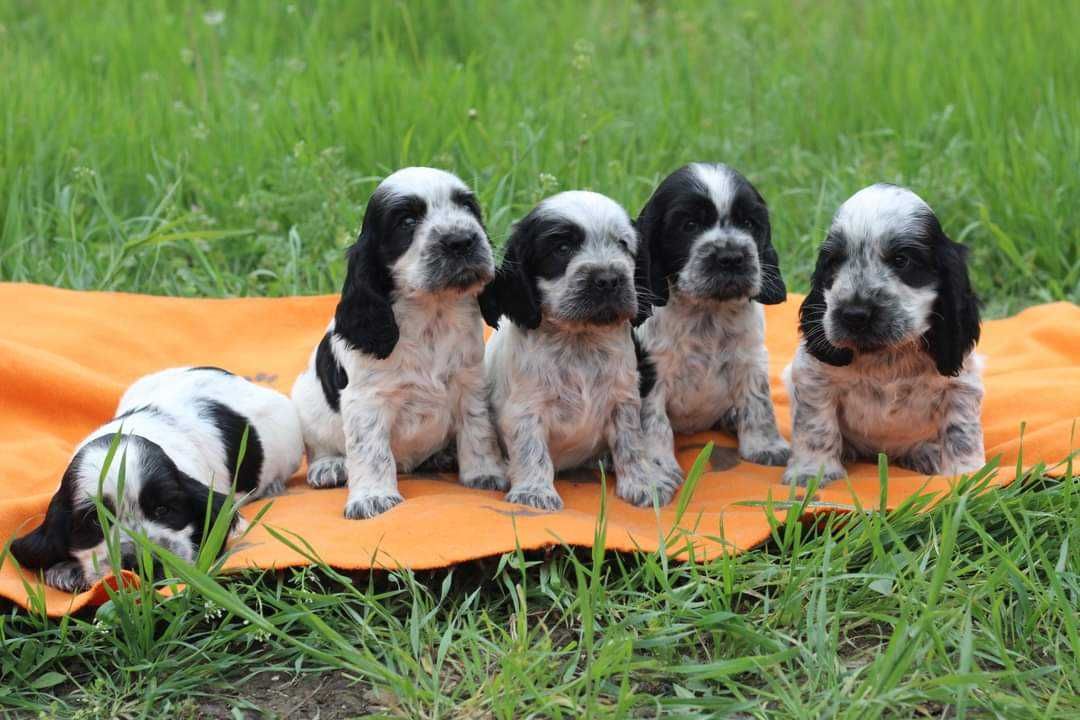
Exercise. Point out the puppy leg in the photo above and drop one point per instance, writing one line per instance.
(369, 459)
(326, 471)
(958, 449)
(638, 479)
(659, 437)
(755, 421)
(532, 473)
(817, 444)
(479, 457)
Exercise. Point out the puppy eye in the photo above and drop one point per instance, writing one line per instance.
(624, 244)
(564, 247)
(161, 512)
(900, 262)
(407, 222)
(690, 225)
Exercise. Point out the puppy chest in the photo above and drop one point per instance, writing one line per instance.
(700, 387)
(892, 414)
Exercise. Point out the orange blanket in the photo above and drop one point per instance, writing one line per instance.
(65, 358)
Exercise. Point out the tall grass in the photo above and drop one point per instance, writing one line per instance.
(228, 148)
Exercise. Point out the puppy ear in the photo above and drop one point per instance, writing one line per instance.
(811, 323)
(954, 321)
(364, 316)
(773, 291)
(643, 281)
(47, 544)
(649, 228)
(513, 292)
(200, 497)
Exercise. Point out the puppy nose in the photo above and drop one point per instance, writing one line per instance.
(459, 243)
(856, 316)
(728, 260)
(606, 280)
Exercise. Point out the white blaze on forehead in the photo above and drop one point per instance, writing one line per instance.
(598, 215)
(720, 184)
(880, 211)
(434, 186)
(89, 471)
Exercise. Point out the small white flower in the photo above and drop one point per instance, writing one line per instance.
(213, 17)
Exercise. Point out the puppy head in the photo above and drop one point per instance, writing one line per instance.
(575, 260)
(887, 275)
(422, 235)
(158, 501)
(709, 237)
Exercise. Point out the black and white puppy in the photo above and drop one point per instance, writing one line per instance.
(562, 373)
(886, 362)
(398, 376)
(713, 267)
(181, 434)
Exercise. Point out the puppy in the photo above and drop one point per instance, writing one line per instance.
(713, 267)
(398, 376)
(886, 361)
(180, 435)
(562, 373)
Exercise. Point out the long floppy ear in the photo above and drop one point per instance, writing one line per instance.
(811, 323)
(364, 316)
(954, 323)
(199, 498)
(47, 544)
(649, 227)
(513, 292)
(773, 291)
(643, 281)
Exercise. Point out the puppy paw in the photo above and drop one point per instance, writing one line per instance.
(924, 459)
(540, 498)
(68, 576)
(639, 485)
(368, 506)
(775, 453)
(327, 472)
(801, 474)
(489, 481)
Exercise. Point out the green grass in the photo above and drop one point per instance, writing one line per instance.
(152, 147)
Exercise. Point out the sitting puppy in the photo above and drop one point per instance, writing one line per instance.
(398, 376)
(713, 266)
(562, 374)
(180, 433)
(885, 363)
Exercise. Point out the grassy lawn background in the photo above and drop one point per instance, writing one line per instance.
(227, 149)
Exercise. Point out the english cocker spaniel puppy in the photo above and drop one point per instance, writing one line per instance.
(398, 377)
(181, 432)
(886, 361)
(561, 367)
(713, 267)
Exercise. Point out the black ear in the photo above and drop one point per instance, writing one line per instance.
(773, 291)
(364, 317)
(649, 225)
(199, 498)
(954, 322)
(48, 543)
(513, 292)
(811, 317)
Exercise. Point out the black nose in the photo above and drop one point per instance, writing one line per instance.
(606, 280)
(459, 243)
(728, 260)
(856, 316)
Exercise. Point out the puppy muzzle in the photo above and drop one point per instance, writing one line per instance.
(603, 296)
(863, 325)
(458, 260)
(724, 272)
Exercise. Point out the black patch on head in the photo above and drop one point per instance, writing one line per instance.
(812, 310)
(467, 200)
(680, 209)
(954, 319)
(514, 291)
(646, 368)
(230, 426)
(213, 368)
(364, 317)
(332, 375)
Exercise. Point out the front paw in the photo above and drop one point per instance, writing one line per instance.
(801, 472)
(488, 481)
(327, 472)
(541, 498)
(775, 452)
(368, 506)
(640, 483)
(924, 459)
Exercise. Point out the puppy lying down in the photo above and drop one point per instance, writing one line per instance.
(886, 362)
(181, 432)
